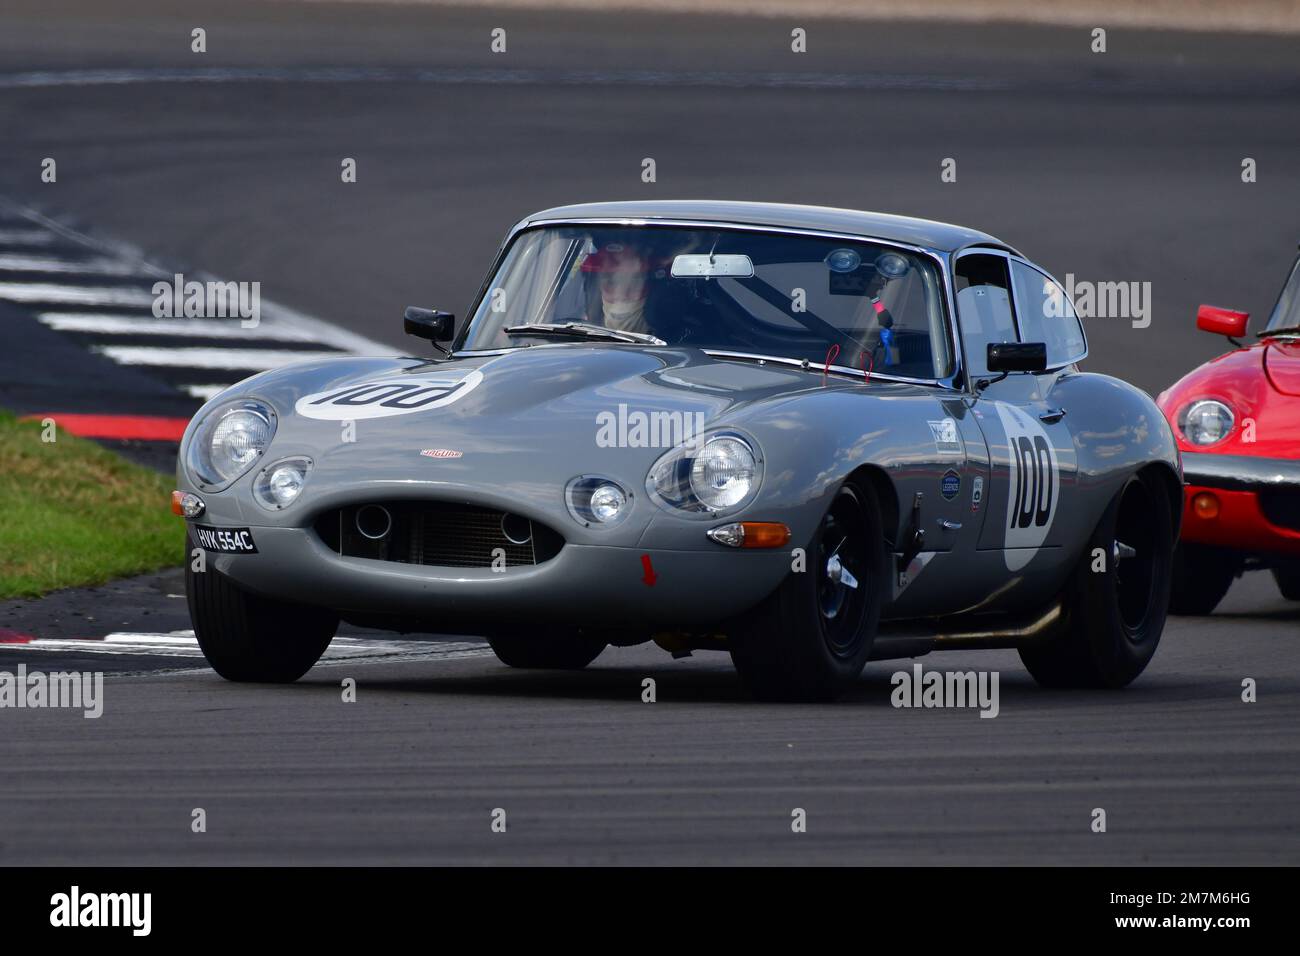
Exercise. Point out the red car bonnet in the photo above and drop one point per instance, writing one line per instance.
(1239, 378)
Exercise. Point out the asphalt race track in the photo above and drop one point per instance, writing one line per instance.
(586, 772)
(1115, 167)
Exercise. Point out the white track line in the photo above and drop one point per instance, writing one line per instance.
(10, 262)
(184, 644)
(56, 293)
(323, 332)
(233, 359)
(203, 392)
(197, 328)
(181, 638)
(18, 238)
(277, 319)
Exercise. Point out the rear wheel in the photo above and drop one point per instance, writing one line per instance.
(1201, 578)
(813, 635)
(548, 650)
(1288, 581)
(246, 637)
(1116, 602)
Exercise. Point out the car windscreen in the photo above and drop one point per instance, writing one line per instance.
(1286, 313)
(861, 304)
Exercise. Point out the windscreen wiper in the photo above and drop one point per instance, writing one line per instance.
(1284, 330)
(583, 330)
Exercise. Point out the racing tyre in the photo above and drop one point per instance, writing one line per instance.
(1288, 581)
(812, 636)
(1201, 578)
(1113, 616)
(565, 650)
(246, 637)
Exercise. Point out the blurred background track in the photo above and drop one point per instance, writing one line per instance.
(1122, 166)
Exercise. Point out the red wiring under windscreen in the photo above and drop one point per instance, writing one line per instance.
(831, 352)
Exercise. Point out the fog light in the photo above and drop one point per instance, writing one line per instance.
(285, 484)
(187, 504)
(1206, 505)
(596, 501)
(606, 502)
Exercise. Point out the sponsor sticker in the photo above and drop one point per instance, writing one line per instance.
(225, 540)
(950, 485)
(945, 435)
(976, 493)
(441, 453)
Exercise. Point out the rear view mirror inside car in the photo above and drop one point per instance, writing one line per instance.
(706, 266)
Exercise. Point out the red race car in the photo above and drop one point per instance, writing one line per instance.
(1237, 421)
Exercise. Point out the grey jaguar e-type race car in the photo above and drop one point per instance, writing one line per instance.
(809, 437)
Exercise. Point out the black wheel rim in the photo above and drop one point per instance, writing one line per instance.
(845, 574)
(1134, 553)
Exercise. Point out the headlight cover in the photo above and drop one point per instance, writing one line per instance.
(229, 441)
(1205, 421)
(715, 478)
(279, 484)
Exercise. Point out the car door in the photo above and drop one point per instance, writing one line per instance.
(1032, 455)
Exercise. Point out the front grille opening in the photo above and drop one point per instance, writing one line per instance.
(437, 533)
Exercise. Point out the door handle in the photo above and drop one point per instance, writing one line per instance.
(1052, 415)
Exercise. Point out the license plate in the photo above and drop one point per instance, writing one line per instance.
(225, 540)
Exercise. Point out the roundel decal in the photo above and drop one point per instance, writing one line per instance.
(392, 395)
(1034, 488)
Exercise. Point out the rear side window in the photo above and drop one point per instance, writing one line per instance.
(1047, 315)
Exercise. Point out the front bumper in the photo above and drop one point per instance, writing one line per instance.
(582, 585)
(1258, 503)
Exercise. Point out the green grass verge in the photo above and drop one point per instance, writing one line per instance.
(73, 513)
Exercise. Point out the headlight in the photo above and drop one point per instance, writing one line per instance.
(710, 479)
(229, 441)
(1205, 422)
(278, 485)
(723, 473)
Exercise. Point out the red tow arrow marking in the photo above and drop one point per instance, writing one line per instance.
(650, 577)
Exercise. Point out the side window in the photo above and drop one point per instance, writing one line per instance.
(983, 307)
(1047, 315)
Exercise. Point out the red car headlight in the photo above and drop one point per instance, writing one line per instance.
(1205, 421)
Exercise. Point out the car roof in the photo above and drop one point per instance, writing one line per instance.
(927, 233)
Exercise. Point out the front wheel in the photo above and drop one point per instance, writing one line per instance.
(1115, 605)
(1288, 581)
(813, 635)
(246, 637)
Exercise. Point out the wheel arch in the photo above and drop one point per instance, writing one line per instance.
(874, 477)
(1165, 477)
